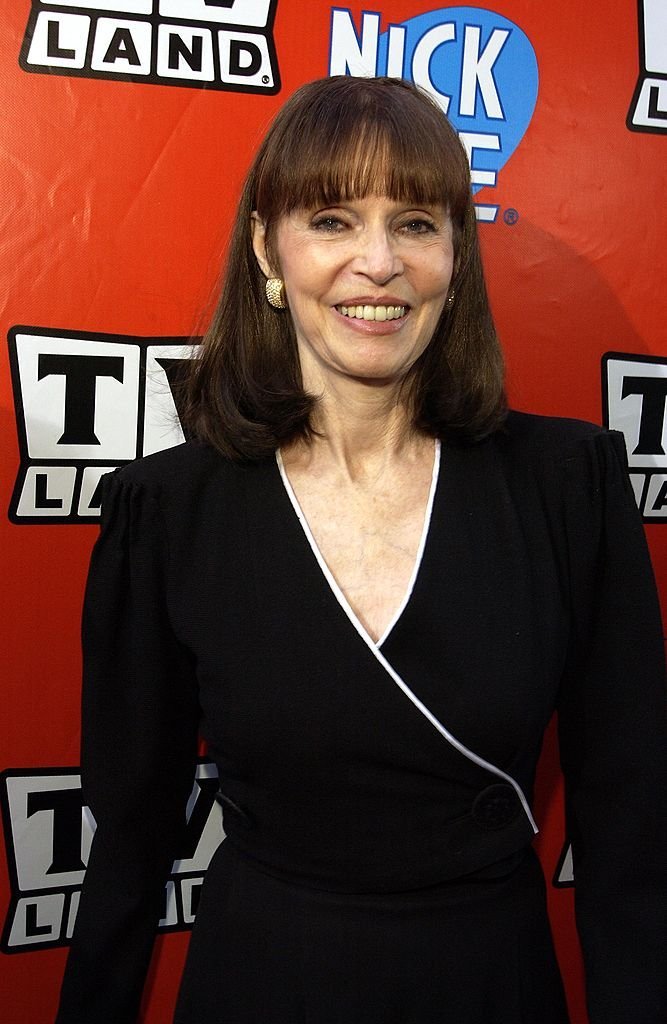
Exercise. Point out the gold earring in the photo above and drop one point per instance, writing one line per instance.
(275, 292)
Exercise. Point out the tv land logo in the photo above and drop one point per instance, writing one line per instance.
(48, 835)
(85, 404)
(635, 402)
(479, 67)
(648, 110)
(213, 44)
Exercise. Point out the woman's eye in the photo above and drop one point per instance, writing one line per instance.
(417, 226)
(328, 224)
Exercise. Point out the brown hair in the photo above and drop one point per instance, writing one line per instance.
(335, 139)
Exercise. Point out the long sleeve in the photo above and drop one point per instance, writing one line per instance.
(139, 729)
(613, 736)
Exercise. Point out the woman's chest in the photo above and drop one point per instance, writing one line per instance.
(370, 555)
(285, 665)
(367, 536)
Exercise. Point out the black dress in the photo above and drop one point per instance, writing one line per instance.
(377, 867)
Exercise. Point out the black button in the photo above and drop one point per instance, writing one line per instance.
(496, 806)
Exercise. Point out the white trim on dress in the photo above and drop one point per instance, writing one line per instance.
(374, 646)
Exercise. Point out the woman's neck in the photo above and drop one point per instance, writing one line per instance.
(362, 430)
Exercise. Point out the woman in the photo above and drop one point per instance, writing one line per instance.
(370, 587)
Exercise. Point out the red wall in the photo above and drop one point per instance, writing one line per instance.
(117, 200)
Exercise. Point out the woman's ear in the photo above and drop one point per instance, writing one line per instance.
(258, 233)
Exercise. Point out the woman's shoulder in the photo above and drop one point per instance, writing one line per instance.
(529, 437)
(554, 433)
(179, 475)
(182, 461)
(575, 459)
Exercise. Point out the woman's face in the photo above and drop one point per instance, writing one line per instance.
(366, 281)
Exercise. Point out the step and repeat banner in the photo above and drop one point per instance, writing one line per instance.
(127, 128)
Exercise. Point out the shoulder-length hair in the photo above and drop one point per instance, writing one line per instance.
(338, 139)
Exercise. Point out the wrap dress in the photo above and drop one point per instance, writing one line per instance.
(377, 866)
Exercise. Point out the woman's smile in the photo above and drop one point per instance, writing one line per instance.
(373, 311)
(373, 318)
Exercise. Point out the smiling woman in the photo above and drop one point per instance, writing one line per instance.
(369, 587)
(358, 169)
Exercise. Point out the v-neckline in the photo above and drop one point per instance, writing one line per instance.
(331, 579)
(375, 646)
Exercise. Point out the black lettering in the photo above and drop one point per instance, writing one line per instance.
(53, 47)
(66, 805)
(661, 498)
(192, 832)
(122, 47)
(178, 49)
(219, 3)
(96, 497)
(236, 48)
(195, 893)
(31, 926)
(41, 493)
(81, 373)
(654, 395)
(653, 108)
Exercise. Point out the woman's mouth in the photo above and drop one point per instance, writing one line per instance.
(378, 313)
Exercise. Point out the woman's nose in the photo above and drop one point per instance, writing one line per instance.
(378, 257)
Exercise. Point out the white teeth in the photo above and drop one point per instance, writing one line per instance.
(378, 313)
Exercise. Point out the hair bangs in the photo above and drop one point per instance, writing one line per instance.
(347, 145)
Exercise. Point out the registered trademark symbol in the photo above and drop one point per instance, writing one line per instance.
(511, 215)
(266, 79)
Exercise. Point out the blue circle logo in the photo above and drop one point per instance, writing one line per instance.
(478, 65)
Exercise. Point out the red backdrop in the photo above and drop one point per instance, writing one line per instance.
(120, 181)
